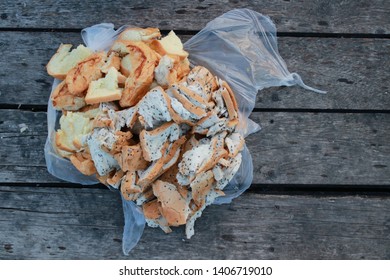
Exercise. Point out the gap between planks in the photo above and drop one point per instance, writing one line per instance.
(193, 32)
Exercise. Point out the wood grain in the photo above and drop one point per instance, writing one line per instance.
(292, 148)
(355, 72)
(350, 16)
(54, 223)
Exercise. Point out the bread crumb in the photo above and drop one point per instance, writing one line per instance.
(23, 127)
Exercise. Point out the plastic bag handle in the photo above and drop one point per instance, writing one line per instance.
(297, 80)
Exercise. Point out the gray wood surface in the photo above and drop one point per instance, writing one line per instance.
(291, 148)
(362, 16)
(56, 223)
(355, 72)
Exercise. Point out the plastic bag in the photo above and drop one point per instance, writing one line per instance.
(240, 47)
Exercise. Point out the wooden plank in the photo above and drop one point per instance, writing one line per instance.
(57, 223)
(353, 71)
(292, 148)
(350, 16)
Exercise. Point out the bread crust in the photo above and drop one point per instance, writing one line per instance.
(87, 70)
(139, 78)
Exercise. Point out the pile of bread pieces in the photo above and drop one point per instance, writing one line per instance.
(143, 122)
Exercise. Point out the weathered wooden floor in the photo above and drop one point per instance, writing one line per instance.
(321, 187)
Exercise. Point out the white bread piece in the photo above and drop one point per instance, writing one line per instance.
(174, 207)
(62, 99)
(220, 107)
(73, 127)
(170, 155)
(105, 89)
(126, 117)
(199, 90)
(153, 141)
(202, 76)
(63, 60)
(140, 34)
(201, 158)
(229, 172)
(222, 125)
(180, 114)
(235, 143)
(206, 122)
(164, 73)
(153, 107)
(192, 161)
(170, 44)
(218, 172)
(87, 70)
(104, 162)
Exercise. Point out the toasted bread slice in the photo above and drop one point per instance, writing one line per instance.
(153, 215)
(86, 71)
(131, 63)
(116, 180)
(180, 114)
(129, 189)
(113, 60)
(232, 96)
(230, 104)
(152, 141)
(170, 44)
(63, 100)
(83, 163)
(201, 186)
(132, 158)
(206, 122)
(171, 153)
(174, 207)
(200, 158)
(140, 34)
(138, 64)
(193, 96)
(63, 60)
(105, 89)
(197, 111)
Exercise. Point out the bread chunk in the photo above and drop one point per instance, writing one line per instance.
(105, 89)
(64, 60)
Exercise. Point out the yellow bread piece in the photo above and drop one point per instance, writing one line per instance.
(105, 89)
(64, 60)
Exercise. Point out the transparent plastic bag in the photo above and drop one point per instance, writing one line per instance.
(240, 47)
